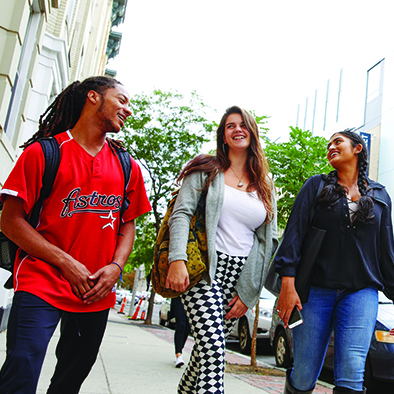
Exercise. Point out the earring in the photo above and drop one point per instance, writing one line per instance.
(224, 147)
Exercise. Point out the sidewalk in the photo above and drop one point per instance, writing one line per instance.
(139, 359)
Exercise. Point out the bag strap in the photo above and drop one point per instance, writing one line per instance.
(51, 151)
(314, 205)
(125, 162)
(313, 208)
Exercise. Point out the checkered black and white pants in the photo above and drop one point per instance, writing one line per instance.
(206, 307)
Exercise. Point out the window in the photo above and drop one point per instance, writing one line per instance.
(373, 81)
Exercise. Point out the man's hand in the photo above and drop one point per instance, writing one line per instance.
(78, 277)
(104, 279)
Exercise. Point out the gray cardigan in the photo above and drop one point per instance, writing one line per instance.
(253, 274)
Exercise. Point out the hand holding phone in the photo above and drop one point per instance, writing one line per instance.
(295, 318)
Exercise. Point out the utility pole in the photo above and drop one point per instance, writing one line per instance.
(135, 285)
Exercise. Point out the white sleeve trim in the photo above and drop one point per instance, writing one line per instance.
(9, 192)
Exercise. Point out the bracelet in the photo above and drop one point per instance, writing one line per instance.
(121, 271)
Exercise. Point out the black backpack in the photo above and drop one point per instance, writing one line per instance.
(51, 150)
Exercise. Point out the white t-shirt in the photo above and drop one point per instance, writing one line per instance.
(242, 213)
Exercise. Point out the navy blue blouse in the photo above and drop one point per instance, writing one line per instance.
(353, 255)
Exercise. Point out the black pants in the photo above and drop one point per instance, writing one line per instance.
(30, 327)
(182, 327)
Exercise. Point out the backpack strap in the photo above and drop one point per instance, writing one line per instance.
(125, 162)
(51, 150)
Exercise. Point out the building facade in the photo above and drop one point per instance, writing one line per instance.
(44, 46)
(361, 97)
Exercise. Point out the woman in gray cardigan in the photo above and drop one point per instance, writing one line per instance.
(241, 234)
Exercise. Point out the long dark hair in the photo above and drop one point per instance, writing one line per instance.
(257, 165)
(333, 190)
(66, 109)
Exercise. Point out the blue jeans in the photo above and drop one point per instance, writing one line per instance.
(31, 325)
(352, 316)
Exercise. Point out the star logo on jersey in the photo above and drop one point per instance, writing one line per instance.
(111, 218)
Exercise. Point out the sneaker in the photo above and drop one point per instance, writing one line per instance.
(179, 361)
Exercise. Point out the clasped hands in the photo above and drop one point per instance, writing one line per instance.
(91, 288)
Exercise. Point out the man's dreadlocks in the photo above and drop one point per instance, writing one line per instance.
(64, 112)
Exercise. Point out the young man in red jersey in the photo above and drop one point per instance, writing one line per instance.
(72, 260)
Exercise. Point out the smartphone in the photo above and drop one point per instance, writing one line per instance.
(295, 318)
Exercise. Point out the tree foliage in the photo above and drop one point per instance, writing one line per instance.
(165, 131)
(292, 163)
(142, 253)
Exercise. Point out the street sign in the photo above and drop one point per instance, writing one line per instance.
(367, 139)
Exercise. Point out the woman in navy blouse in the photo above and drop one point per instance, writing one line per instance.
(355, 261)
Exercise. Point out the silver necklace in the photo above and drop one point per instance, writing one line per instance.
(240, 184)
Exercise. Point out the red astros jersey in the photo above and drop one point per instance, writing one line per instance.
(81, 216)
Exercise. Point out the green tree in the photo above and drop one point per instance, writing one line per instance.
(165, 131)
(142, 253)
(292, 163)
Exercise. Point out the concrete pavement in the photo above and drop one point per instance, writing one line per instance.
(135, 358)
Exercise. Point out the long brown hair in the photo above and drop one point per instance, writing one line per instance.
(256, 164)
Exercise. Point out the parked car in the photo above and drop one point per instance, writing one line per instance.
(380, 360)
(122, 293)
(165, 315)
(159, 299)
(244, 328)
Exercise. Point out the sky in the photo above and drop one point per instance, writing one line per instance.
(266, 56)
